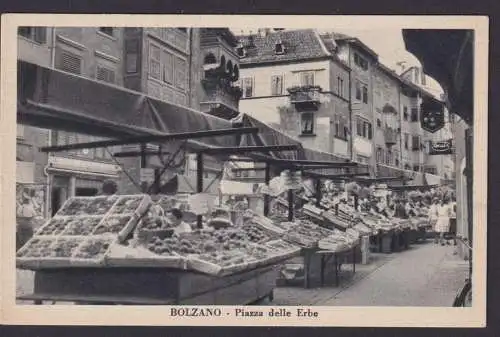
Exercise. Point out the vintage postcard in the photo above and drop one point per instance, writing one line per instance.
(216, 170)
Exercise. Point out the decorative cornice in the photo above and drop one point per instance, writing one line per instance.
(70, 42)
(107, 56)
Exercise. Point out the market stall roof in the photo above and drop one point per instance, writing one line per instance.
(447, 56)
(54, 99)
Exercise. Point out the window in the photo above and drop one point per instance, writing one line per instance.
(247, 84)
(340, 86)
(277, 85)
(379, 123)
(396, 158)
(154, 61)
(416, 168)
(180, 73)
(428, 146)
(105, 74)
(407, 141)
(131, 56)
(380, 155)
(168, 67)
(364, 128)
(37, 34)
(341, 129)
(106, 30)
(415, 143)
(360, 61)
(388, 157)
(363, 159)
(365, 94)
(68, 62)
(414, 115)
(241, 51)
(307, 123)
(279, 48)
(405, 113)
(307, 78)
(407, 167)
(358, 91)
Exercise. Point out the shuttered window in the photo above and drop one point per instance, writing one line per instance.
(154, 62)
(69, 62)
(277, 85)
(131, 56)
(168, 67)
(180, 73)
(38, 34)
(105, 74)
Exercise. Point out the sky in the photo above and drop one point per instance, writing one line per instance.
(388, 44)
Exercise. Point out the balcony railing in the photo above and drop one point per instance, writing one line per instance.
(305, 97)
(220, 92)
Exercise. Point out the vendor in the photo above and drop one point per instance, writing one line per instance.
(179, 226)
(25, 217)
(400, 210)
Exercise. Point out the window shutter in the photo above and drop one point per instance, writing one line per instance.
(180, 73)
(168, 68)
(105, 75)
(154, 61)
(132, 55)
(41, 34)
(70, 62)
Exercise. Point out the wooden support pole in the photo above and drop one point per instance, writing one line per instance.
(318, 192)
(199, 184)
(144, 186)
(290, 205)
(267, 178)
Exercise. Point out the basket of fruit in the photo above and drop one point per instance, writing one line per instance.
(92, 251)
(78, 206)
(131, 205)
(157, 253)
(46, 252)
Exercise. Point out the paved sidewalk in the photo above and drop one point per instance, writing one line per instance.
(425, 275)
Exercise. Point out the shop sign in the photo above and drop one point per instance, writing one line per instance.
(441, 148)
(432, 116)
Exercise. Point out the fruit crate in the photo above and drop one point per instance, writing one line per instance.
(141, 257)
(92, 251)
(117, 225)
(136, 204)
(57, 254)
(78, 206)
(197, 263)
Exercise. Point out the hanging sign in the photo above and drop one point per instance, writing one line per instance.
(441, 148)
(432, 116)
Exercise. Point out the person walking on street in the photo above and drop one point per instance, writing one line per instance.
(453, 221)
(443, 220)
(433, 215)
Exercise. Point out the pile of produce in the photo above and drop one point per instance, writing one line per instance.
(82, 231)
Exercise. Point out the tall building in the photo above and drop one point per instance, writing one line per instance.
(291, 81)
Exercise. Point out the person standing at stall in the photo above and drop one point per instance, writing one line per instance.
(25, 220)
(175, 219)
(443, 220)
(433, 215)
(400, 210)
(109, 187)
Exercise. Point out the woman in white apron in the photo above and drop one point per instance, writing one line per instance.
(433, 215)
(443, 221)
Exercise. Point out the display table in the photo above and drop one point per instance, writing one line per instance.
(151, 286)
(323, 259)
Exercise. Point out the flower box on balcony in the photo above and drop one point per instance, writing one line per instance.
(305, 97)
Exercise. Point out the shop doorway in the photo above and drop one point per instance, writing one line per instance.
(86, 192)
(56, 199)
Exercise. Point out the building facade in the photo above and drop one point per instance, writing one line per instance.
(291, 81)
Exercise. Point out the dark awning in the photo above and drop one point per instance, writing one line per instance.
(447, 56)
(53, 99)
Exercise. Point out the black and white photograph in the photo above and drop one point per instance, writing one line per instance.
(245, 172)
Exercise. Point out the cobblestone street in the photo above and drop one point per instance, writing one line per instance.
(425, 275)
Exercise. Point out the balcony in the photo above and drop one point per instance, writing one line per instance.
(305, 97)
(391, 137)
(220, 97)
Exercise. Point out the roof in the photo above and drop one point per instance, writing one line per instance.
(300, 45)
(357, 42)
